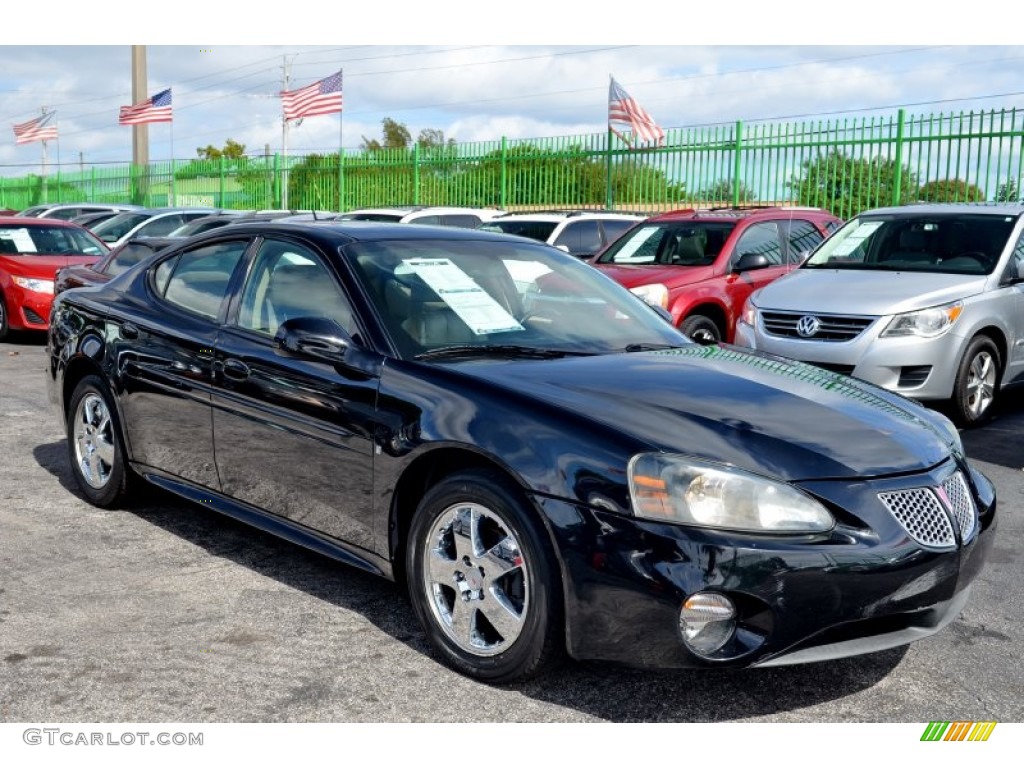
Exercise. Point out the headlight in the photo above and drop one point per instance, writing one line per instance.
(678, 489)
(656, 294)
(926, 323)
(32, 284)
(749, 314)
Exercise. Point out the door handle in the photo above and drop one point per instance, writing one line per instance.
(129, 331)
(235, 369)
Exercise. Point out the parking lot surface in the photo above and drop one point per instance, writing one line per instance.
(167, 612)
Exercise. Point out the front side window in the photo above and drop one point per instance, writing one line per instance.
(128, 255)
(761, 239)
(535, 230)
(197, 280)
(288, 281)
(115, 228)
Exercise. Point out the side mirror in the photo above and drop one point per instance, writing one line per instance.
(315, 337)
(751, 261)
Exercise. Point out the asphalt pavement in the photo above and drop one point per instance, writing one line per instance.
(168, 612)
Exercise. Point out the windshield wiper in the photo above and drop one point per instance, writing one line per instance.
(497, 350)
(649, 347)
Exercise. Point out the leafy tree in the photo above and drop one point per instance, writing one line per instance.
(1008, 192)
(396, 136)
(430, 138)
(846, 186)
(232, 150)
(950, 191)
(722, 190)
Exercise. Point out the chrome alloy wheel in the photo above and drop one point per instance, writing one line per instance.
(94, 441)
(475, 579)
(981, 383)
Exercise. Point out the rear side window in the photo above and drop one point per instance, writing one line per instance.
(615, 227)
(582, 238)
(804, 237)
(198, 280)
(161, 226)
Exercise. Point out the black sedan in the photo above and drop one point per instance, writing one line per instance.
(549, 466)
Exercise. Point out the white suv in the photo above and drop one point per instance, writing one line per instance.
(467, 218)
(581, 233)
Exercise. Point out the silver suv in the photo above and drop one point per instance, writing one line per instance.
(924, 300)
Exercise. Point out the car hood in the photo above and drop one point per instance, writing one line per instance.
(759, 412)
(855, 292)
(42, 267)
(648, 274)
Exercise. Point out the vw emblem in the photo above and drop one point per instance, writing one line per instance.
(808, 325)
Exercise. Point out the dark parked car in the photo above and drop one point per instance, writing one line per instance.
(547, 464)
(116, 261)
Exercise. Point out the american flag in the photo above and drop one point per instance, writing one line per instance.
(321, 98)
(41, 128)
(626, 114)
(153, 110)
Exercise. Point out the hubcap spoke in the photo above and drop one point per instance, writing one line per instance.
(475, 579)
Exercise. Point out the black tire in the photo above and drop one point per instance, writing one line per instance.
(4, 325)
(702, 329)
(977, 380)
(510, 626)
(95, 446)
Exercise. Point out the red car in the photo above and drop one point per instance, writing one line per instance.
(31, 252)
(701, 265)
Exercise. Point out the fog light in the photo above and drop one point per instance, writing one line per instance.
(707, 621)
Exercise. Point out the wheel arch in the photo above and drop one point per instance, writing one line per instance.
(713, 311)
(427, 470)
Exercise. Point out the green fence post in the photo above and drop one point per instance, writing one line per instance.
(92, 183)
(609, 193)
(275, 181)
(736, 165)
(416, 174)
(898, 172)
(220, 191)
(503, 172)
(341, 180)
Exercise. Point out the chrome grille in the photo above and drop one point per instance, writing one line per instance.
(960, 500)
(830, 327)
(921, 514)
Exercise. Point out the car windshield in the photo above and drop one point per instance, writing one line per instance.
(49, 241)
(676, 243)
(535, 230)
(467, 294)
(956, 243)
(114, 229)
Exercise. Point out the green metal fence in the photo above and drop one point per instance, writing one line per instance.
(844, 165)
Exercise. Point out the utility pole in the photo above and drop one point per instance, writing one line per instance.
(140, 133)
(284, 139)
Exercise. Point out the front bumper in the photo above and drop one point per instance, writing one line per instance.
(924, 369)
(866, 587)
(27, 310)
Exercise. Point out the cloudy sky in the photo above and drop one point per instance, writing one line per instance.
(428, 70)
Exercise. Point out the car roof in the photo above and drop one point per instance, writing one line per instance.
(339, 232)
(32, 221)
(739, 212)
(563, 215)
(932, 209)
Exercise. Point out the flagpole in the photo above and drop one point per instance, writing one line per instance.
(43, 191)
(341, 157)
(284, 144)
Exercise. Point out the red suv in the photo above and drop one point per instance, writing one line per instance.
(701, 265)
